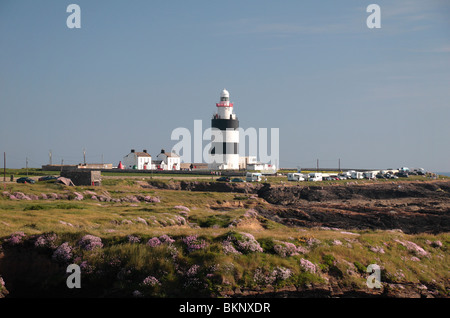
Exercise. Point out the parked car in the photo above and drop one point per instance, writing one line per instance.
(391, 176)
(380, 176)
(225, 179)
(25, 180)
(403, 175)
(237, 180)
(47, 178)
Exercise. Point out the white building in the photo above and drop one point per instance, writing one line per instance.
(168, 161)
(244, 161)
(137, 160)
(262, 167)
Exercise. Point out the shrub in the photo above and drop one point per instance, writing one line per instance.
(286, 249)
(63, 253)
(34, 207)
(267, 244)
(307, 266)
(245, 243)
(193, 243)
(16, 238)
(90, 242)
(46, 240)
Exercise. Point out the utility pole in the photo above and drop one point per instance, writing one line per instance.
(50, 157)
(317, 165)
(339, 164)
(27, 165)
(62, 163)
(4, 166)
(84, 156)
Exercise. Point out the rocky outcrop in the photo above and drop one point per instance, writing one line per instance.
(411, 207)
(213, 186)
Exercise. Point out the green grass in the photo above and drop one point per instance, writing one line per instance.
(213, 213)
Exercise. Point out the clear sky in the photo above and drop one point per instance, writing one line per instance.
(136, 70)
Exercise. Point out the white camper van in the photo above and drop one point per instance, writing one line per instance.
(370, 175)
(253, 176)
(296, 177)
(315, 176)
(357, 175)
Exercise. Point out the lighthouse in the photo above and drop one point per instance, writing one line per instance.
(225, 131)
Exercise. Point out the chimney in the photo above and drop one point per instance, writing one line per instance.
(132, 150)
(145, 150)
(162, 151)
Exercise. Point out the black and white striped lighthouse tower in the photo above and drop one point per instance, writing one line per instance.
(225, 151)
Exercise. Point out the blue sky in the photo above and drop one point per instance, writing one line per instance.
(136, 70)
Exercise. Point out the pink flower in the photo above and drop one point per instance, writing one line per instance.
(410, 246)
(193, 243)
(63, 253)
(153, 242)
(16, 238)
(90, 242)
(308, 266)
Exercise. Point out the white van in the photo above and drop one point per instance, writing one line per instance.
(369, 175)
(357, 175)
(315, 176)
(253, 176)
(296, 177)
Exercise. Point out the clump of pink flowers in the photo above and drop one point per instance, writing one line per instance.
(228, 247)
(278, 274)
(193, 243)
(153, 242)
(410, 246)
(163, 239)
(247, 243)
(46, 240)
(133, 239)
(63, 253)
(286, 249)
(151, 281)
(16, 238)
(307, 266)
(90, 242)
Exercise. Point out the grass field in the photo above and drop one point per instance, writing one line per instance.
(217, 223)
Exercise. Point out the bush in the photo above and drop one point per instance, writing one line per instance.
(267, 244)
(34, 207)
(360, 267)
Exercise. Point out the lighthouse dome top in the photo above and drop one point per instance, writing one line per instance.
(225, 93)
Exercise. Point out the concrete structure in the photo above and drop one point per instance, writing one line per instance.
(137, 160)
(168, 160)
(83, 177)
(245, 161)
(225, 141)
(193, 166)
